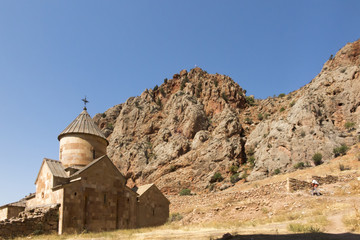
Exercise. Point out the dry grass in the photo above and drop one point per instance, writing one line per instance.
(353, 221)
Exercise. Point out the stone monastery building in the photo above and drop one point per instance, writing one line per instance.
(89, 189)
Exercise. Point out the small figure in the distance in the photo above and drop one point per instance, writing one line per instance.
(315, 185)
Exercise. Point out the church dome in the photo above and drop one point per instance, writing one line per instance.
(83, 124)
(81, 142)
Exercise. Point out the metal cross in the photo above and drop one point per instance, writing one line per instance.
(85, 102)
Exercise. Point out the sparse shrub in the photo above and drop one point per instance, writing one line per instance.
(174, 217)
(110, 126)
(292, 103)
(250, 151)
(244, 175)
(303, 228)
(172, 168)
(216, 177)
(349, 126)
(299, 165)
(266, 115)
(223, 95)
(165, 80)
(343, 70)
(234, 169)
(155, 88)
(234, 178)
(183, 82)
(162, 92)
(331, 57)
(340, 151)
(251, 160)
(317, 159)
(250, 100)
(343, 168)
(260, 116)
(353, 221)
(248, 120)
(103, 115)
(216, 83)
(185, 192)
(302, 134)
(282, 109)
(281, 95)
(277, 171)
(158, 102)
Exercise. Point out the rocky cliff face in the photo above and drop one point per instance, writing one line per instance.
(180, 134)
(315, 119)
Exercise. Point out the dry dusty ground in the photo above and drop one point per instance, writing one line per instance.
(263, 209)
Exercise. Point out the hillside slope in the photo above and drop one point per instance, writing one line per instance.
(196, 126)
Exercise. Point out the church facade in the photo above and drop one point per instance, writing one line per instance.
(90, 190)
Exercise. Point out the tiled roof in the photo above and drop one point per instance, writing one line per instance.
(143, 188)
(56, 168)
(83, 124)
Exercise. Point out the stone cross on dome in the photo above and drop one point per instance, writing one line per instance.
(85, 102)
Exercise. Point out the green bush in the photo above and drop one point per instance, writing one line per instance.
(234, 178)
(260, 116)
(103, 115)
(250, 100)
(165, 80)
(317, 159)
(281, 95)
(251, 160)
(156, 88)
(299, 165)
(248, 120)
(185, 192)
(216, 177)
(234, 169)
(302, 134)
(277, 171)
(282, 109)
(340, 151)
(110, 126)
(292, 103)
(349, 125)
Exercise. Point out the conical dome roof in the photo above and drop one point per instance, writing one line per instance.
(83, 124)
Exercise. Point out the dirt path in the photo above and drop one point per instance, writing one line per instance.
(336, 224)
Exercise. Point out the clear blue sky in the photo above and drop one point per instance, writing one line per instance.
(53, 53)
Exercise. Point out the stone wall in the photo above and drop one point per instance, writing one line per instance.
(31, 222)
(153, 208)
(293, 185)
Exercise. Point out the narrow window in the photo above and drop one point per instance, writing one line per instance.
(94, 154)
(104, 198)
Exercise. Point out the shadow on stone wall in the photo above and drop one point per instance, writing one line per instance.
(31, 222)
(304, 236)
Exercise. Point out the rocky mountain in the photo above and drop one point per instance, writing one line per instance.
(200, 131)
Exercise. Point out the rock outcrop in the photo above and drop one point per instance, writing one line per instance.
(181, 133)
(315, 119)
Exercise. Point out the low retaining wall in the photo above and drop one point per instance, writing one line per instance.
(31, 222)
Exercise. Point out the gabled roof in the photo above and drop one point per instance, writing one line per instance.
(102, 158)
(83, 124)
(143, 188)
(56, 168)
